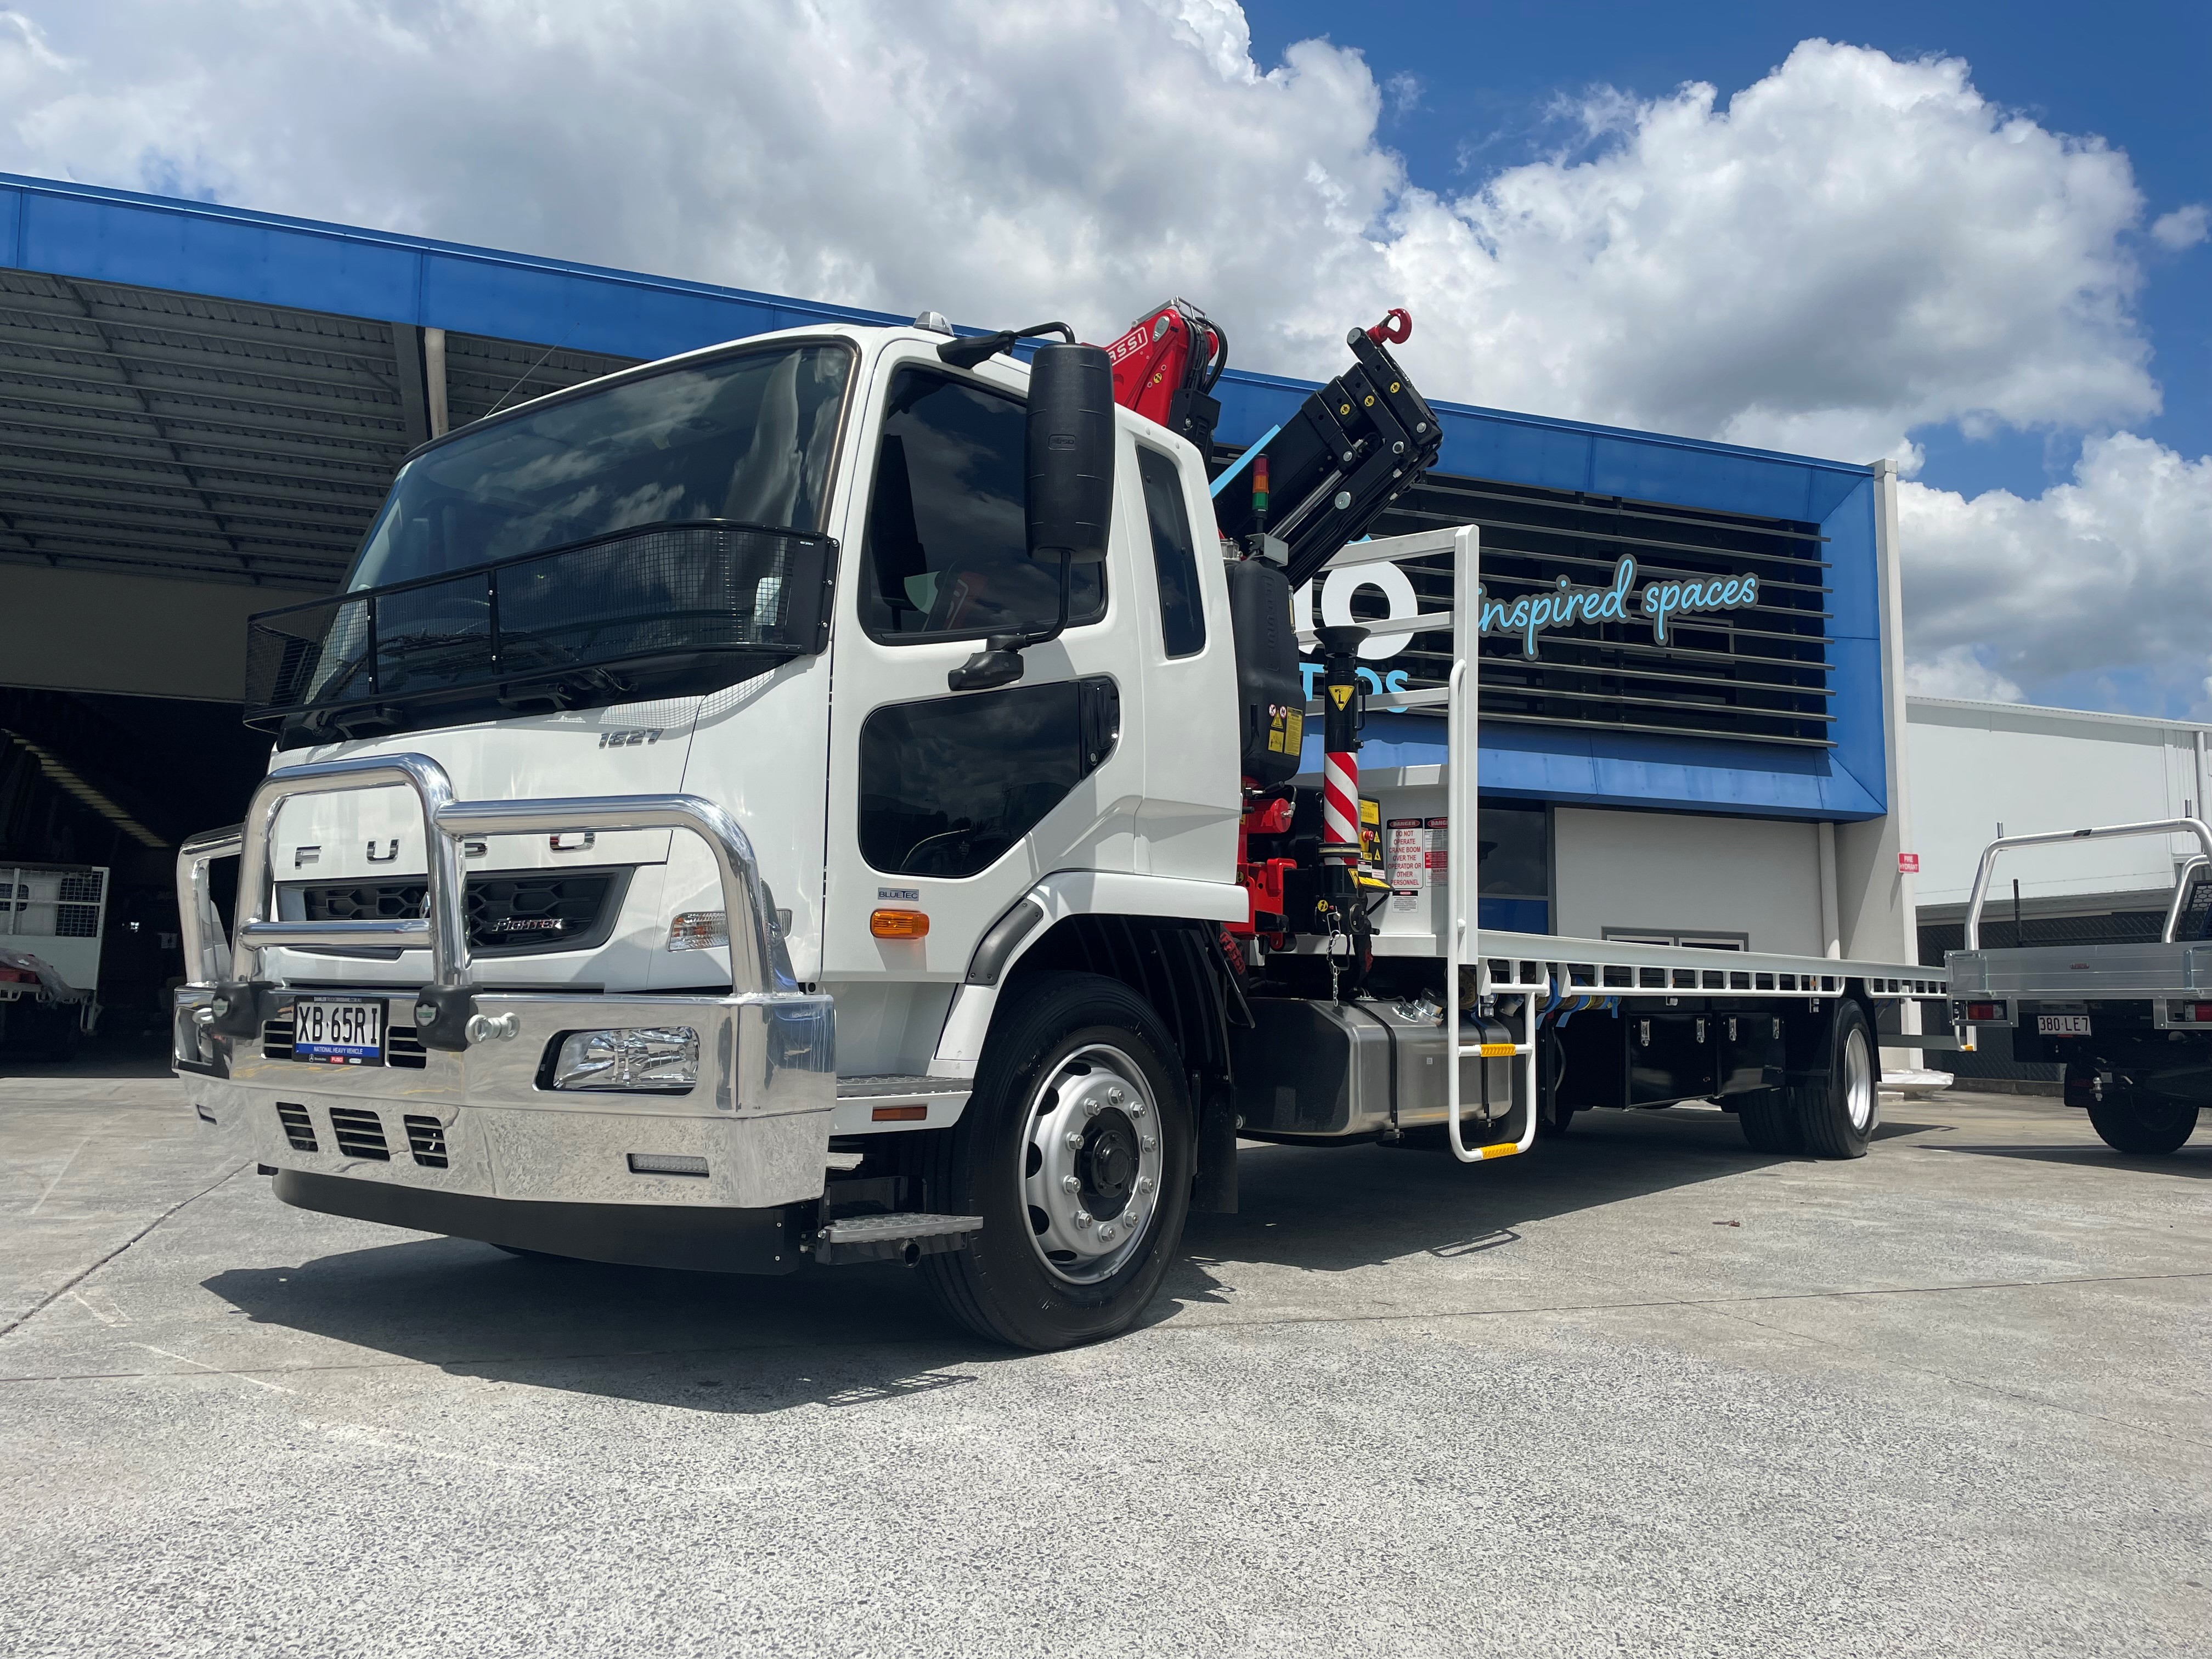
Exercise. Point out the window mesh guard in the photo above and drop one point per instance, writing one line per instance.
(663, 608)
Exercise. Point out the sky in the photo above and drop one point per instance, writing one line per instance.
(1971, 237)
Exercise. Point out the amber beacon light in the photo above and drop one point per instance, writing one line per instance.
(899, 924)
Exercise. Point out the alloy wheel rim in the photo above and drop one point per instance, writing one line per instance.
(1091, 1165)
(1858, 1081)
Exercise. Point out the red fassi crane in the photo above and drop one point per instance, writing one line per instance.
(1317, 480)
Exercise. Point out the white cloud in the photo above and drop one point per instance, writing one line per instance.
(2103, 575)
(1957, 671)
(1851, 247)
(2183, 227)
(1847, 250)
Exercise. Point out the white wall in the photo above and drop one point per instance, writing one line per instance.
(1681, 873)
(1975, 765)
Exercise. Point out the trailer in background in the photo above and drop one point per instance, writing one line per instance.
(52, 918)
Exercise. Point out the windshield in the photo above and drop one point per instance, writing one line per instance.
(747, 438)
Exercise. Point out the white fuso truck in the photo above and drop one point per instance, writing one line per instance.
(837, 797)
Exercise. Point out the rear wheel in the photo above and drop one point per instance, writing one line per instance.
(2129, 1119)
(1837, 1118)
(1768, 1122)
(1076, 1149)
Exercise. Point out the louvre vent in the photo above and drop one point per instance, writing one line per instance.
(299, 1128)
(1757, 673)
(359, 1133)
(426, 1139)
(403, 1047)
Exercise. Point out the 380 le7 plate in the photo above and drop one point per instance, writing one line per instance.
(2061, 1024)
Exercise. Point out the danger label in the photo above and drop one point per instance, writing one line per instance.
(1408, 865)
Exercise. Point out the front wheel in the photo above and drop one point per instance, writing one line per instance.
(1076, 1149)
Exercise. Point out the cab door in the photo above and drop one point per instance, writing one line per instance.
(954, 804)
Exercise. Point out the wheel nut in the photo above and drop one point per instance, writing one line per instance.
(1151, 1144)
(1106, 1234)
(1070, 1185)
(1075, 1139)
(1115, 1096)
(1082, 1219)
(1144, 1183)
(1090, 1108)
(1136, 1109)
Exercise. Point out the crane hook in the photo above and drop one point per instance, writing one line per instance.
(1396, 328)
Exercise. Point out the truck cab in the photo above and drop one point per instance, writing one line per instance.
(749, 577)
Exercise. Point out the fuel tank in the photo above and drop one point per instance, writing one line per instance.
(1340, 1071)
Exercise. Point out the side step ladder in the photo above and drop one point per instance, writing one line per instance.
(1463, 949)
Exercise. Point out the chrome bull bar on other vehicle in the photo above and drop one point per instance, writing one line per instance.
(765, 1049)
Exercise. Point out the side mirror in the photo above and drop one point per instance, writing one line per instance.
(1071, 453)
(1069, 440)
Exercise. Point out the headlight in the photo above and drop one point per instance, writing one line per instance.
(642, 1057)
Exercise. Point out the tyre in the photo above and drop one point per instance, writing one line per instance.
(1554, 1119)
(2130, 1120)
(1076, 1149)
(1837, 1118)
(1767, 1121)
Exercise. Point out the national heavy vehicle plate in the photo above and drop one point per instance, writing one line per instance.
(2061, 1024)
(335, 1031)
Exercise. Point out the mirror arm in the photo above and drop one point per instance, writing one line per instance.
(975, 348)
(1000, 661)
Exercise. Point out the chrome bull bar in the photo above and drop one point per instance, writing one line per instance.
(759, 963)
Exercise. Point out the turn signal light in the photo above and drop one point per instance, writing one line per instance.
(899, 924)
(2196, 1013)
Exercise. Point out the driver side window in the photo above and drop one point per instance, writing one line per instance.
(945, 553)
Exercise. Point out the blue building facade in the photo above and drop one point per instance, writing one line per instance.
(192, 248)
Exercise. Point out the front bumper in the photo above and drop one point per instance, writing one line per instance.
(476, 1124)
(458, 1111)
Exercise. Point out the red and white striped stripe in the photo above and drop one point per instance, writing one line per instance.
(1339, 799)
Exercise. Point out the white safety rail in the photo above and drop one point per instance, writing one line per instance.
(1546, 972)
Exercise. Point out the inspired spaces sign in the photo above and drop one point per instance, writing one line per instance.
(1529, 617)
(1532, 613)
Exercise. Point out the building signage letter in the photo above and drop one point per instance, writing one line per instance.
(1533, 614)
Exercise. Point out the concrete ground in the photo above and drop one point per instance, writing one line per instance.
(1645, 1392)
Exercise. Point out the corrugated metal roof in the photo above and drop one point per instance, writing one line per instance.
(181, 436)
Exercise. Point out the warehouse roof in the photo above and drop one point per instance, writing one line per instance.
(198, 390)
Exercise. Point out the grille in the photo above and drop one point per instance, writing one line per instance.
(299, 1128)
(1758, 673)
(402, 1048)
(508, 915)
(359, 1134)
(426, 1139)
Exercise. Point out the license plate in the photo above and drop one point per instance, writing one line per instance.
(2061, 1024)
(331, 1032)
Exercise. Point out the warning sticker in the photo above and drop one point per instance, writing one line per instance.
(1408, 867)
(1439, 848)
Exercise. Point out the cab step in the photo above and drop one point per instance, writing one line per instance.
(906, 1237)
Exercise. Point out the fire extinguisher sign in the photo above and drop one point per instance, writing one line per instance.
(1908, 864)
